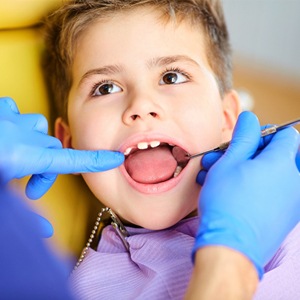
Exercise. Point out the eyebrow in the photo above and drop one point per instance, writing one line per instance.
(106, 70)
(154, 62)
(166, 60)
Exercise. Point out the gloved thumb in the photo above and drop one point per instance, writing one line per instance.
(44, 226)
(39, 184)
(245, 140)
(8, 106)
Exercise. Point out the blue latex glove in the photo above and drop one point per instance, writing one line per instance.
(27, 149)
(250, 199)
(211, 158)
(28, 269)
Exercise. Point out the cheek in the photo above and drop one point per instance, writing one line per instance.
(91, 130)
(203, 112)
(206, 123)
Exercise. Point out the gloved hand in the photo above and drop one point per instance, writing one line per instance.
(28, 269)
(211, 158)
(250, 199)
(26, 149)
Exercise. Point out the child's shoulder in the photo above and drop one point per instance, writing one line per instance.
(281, 278)
(289, 249)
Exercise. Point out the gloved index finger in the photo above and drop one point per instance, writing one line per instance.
(209, 159)
(66, 161)
(246, 138)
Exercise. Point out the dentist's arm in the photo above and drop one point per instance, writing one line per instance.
(27, 149)
(222, 273)
(29, 270)
(248, 204)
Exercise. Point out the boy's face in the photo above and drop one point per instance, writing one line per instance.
(136, 82)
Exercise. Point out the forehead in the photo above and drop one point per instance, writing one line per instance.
(141, 33)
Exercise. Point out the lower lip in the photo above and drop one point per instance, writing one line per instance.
(156, 188)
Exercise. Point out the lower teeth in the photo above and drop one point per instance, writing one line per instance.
(177, 171)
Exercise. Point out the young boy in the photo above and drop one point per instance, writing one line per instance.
(144, 77)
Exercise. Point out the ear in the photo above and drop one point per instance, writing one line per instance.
(63, 133)
(231, 111)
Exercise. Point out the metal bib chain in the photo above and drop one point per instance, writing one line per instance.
(117, 225)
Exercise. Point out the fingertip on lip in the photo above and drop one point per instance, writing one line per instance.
(120, 157)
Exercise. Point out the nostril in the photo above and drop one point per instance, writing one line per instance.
(153, 114)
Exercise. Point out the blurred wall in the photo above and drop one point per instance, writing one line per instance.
(265, 36)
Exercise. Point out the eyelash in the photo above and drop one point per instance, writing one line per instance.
(177, 70)
(166, 71)
(98, 84)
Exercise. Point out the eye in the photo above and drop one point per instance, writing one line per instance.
(105, 88)
(173, 77)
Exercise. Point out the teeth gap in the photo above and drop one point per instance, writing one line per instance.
(142, 146)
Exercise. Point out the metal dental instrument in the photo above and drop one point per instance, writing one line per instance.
(265, 132)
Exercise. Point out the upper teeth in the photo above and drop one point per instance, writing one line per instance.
(143, 146)
(154, 144)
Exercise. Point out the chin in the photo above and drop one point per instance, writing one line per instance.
(159, 220)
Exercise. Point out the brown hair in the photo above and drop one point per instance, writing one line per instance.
(64, 27)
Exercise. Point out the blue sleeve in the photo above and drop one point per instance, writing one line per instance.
(28, 268)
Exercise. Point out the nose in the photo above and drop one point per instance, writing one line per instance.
(142, 108)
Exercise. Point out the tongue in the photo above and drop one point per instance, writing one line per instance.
(151, 165)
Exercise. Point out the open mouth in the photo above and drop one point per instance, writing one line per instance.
(154, 162)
